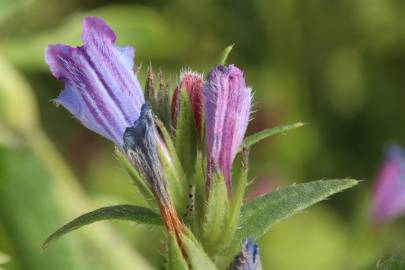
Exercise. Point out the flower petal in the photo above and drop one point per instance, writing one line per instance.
(101, 89)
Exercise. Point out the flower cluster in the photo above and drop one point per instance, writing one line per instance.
(103, 92)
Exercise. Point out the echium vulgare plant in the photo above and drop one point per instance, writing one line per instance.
(179, 146)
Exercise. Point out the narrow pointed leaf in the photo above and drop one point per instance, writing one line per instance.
(197, 257)
(224, 55)
(259, 215)
(176, 260)
(261, 135)
(198, 197)
(237, 197)
(176, 182)
(133, 213)
(394, 263)
(216, 213)
(186, 134)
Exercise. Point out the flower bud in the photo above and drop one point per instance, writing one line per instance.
(227, 102)
(389, 188)
(190, 82)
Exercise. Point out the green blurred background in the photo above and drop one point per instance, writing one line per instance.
(338, 65)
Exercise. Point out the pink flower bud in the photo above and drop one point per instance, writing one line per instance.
(227, 102)
(192, 83)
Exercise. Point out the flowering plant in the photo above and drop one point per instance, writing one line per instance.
(179, 149)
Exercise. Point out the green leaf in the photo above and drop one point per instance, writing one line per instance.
(197, 257)
(396, 262)
(261, 135)
(176, 260)
(186, 134)
(259, 215)
(224, 55)
(216, 213)
(137, 214)
(199, 197)
(176, 179)
(136, 178)
(239, 188)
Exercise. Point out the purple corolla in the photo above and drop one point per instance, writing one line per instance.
(101, 88)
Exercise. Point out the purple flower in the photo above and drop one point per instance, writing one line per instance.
(227, 103)
(248, 258)
(101, 89)
(389, 188)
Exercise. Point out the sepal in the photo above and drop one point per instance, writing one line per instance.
(176, 260)
(216, 212)
(136, 178)
(224, 55)
(186, 134)
(196, 255)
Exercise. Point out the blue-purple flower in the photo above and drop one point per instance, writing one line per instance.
(389, 188)
(248, 258)
(227, 102)
(101, 89)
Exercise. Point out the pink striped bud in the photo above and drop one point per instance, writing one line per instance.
(191, 82)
